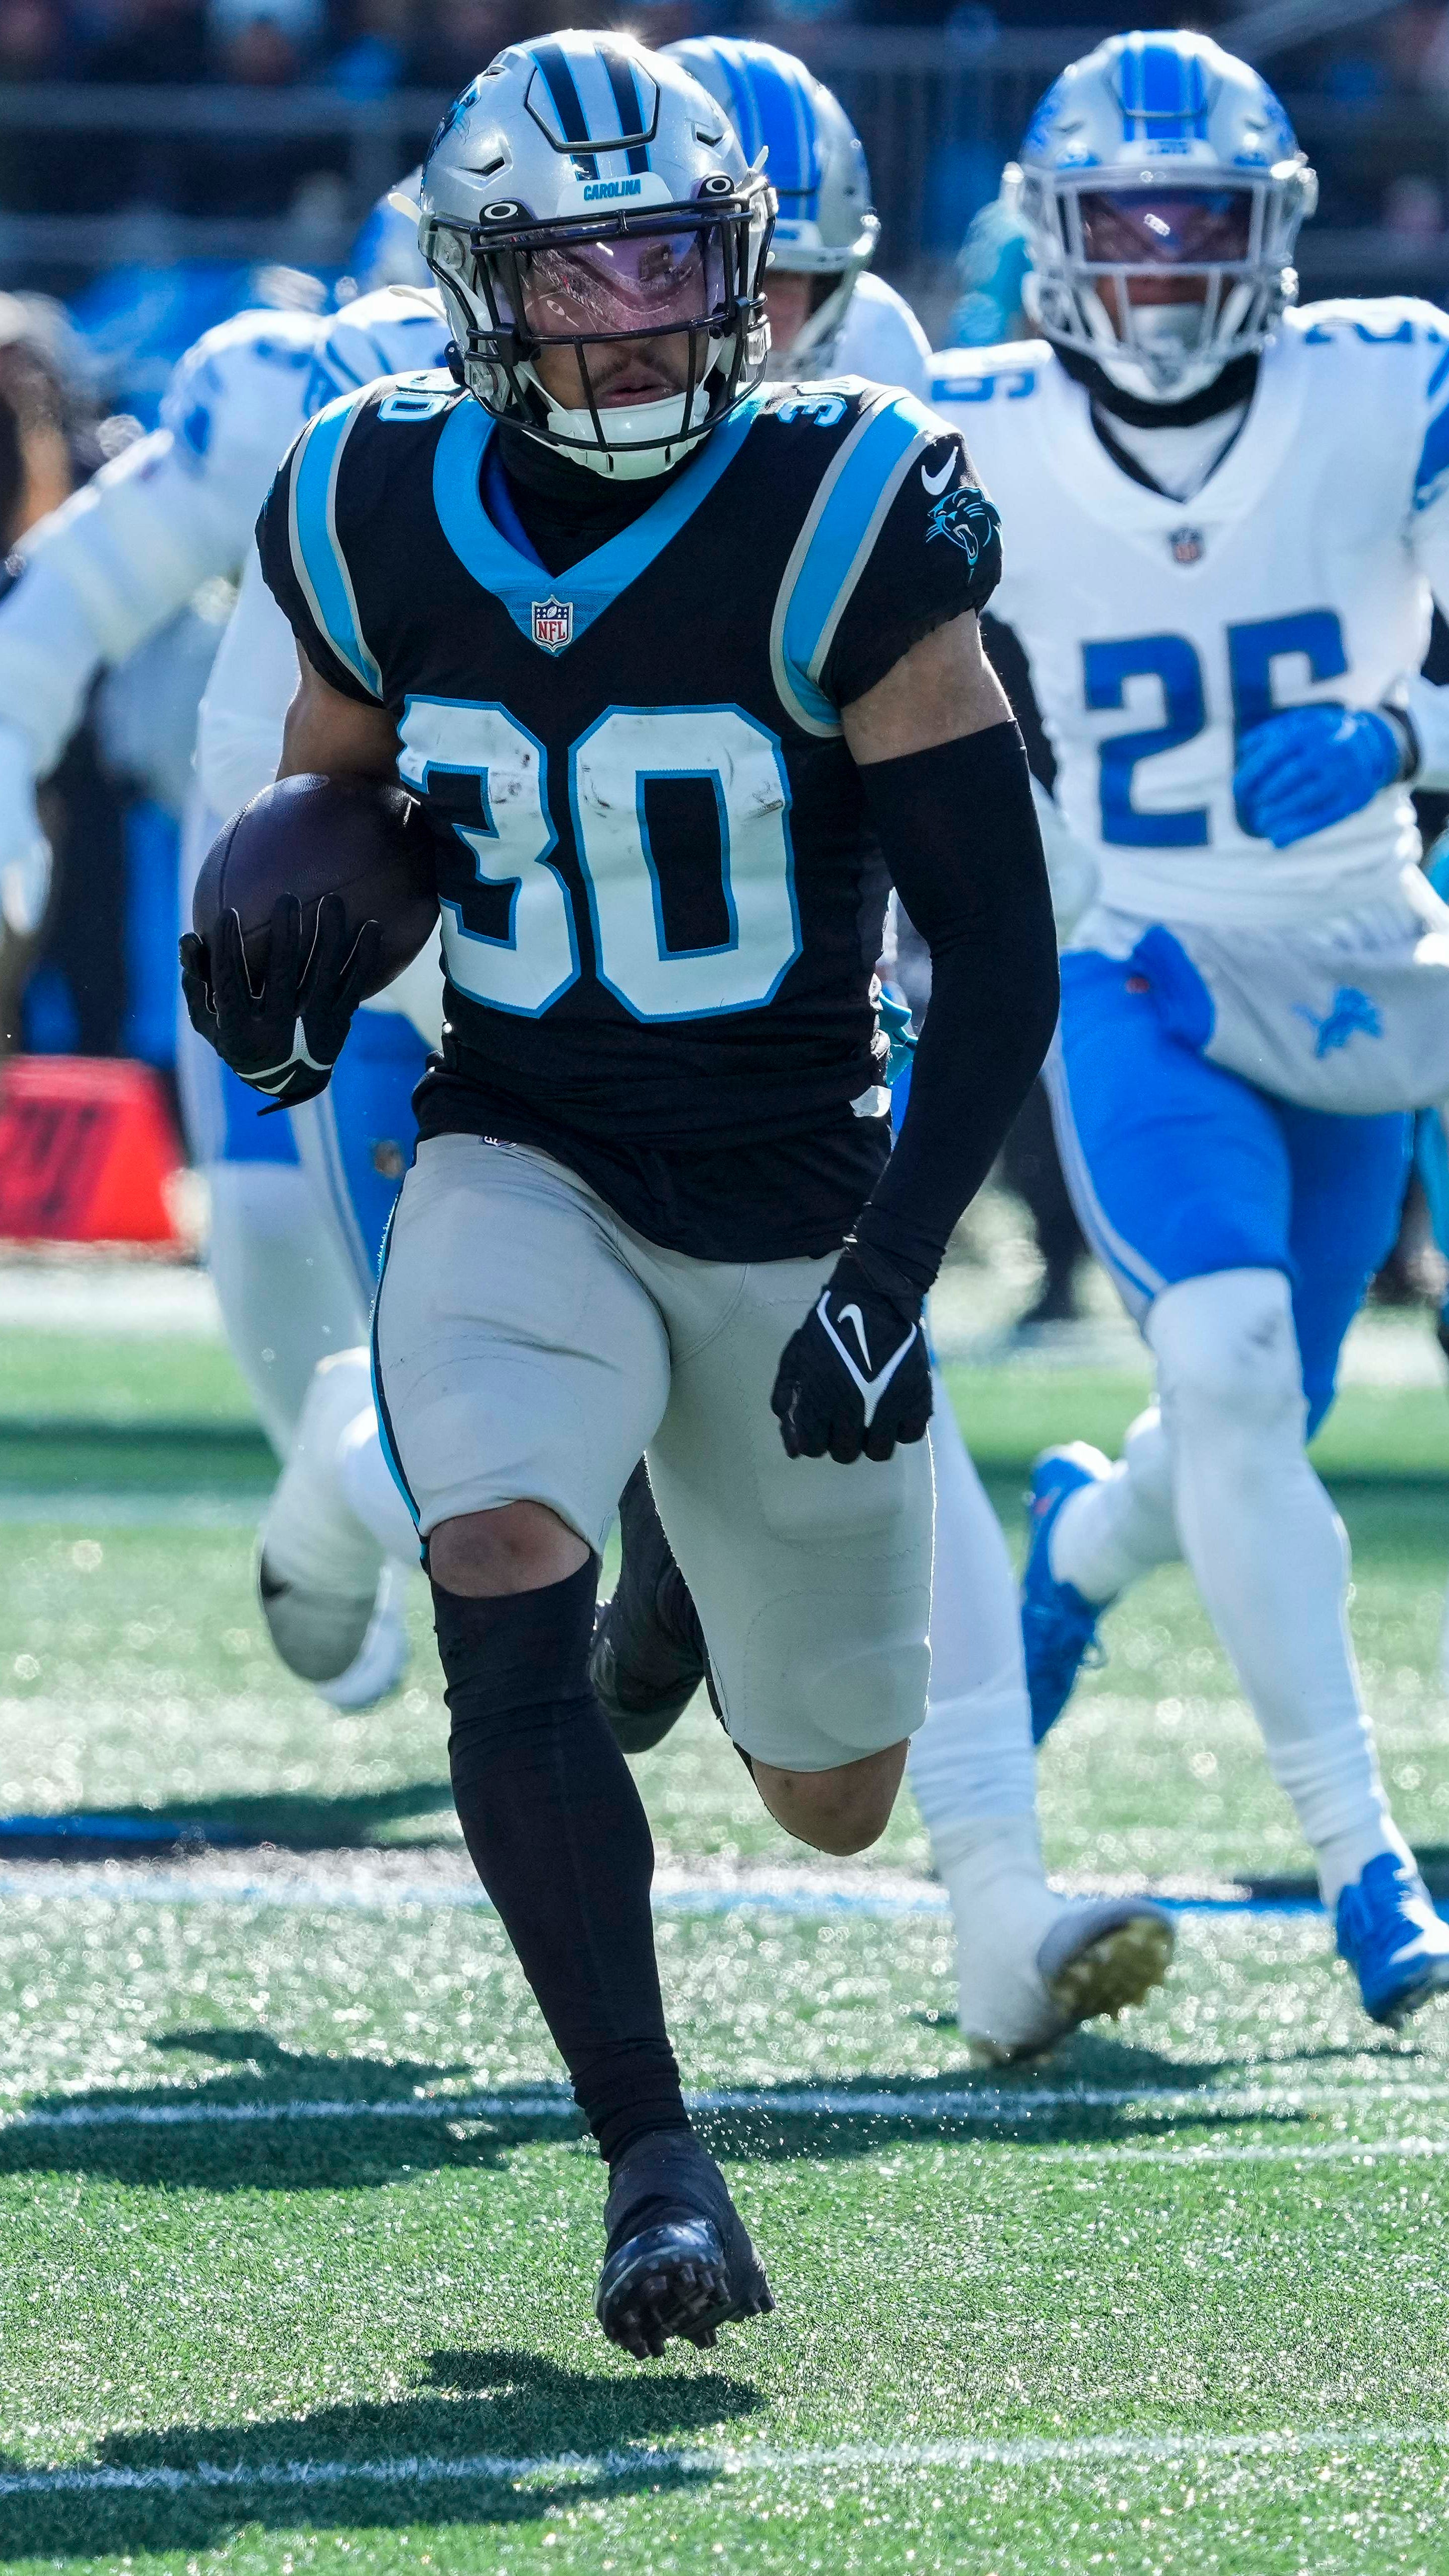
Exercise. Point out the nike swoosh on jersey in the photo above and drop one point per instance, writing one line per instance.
(936, 483)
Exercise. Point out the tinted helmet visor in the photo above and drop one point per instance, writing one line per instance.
(616, 289)
(1166, 228)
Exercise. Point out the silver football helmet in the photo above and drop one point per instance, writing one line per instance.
(1162, 189)
(386, 251)
(600, 242)
(825, 225)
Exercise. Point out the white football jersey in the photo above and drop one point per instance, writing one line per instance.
(879, 339)
(1159, 632)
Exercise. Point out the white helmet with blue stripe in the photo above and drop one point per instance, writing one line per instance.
(1162, 189)
(600, 242)
(386, 252)
(814, 161)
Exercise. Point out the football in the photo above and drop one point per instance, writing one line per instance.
(311, 836)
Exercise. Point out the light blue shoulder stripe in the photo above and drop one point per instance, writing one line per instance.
(593, 584)
(317, 556)
(834, 546)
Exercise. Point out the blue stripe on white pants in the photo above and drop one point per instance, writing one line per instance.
(1179, 1168)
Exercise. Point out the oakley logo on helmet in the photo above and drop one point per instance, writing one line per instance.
(965, 518)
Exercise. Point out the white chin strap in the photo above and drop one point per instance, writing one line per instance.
(624, 459)
(1166, 360)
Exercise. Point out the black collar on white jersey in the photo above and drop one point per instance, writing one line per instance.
(1234, 385)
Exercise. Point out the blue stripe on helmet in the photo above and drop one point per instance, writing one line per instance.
(568, 106)
(627, 101)
(787, 124)
(1164, 95)
(744, 114)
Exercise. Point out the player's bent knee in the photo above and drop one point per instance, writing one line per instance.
(840, 1811)
(518, 1547)
(1147, 1456)
(1226, 1349)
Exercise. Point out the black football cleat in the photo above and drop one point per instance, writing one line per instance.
(648, 1656)
(678, 2260)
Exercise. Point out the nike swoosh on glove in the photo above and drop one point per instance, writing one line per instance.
(856, 1377)
(1313, 766)
(286, 1039)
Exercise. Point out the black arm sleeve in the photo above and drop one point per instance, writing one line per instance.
(960, 835)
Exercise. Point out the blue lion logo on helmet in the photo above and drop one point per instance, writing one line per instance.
(966, 519)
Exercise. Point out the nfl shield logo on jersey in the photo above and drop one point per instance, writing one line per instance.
(553, 623)
(1186, 544)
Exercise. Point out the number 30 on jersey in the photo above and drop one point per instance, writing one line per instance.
(527, 967)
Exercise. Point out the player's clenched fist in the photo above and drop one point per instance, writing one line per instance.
(856, 1377)
(286, 1038)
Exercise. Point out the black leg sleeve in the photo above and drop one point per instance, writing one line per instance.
(558, 1836)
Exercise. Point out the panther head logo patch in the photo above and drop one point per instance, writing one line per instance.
(965, 518)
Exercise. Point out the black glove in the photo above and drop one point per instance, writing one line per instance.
(286, 1039)
(857, 1375)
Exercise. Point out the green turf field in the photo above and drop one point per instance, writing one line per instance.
(298, 2236)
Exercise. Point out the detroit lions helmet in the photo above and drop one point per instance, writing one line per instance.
(386, 252)
(600, 242)
(1162, 189)
(825, 225)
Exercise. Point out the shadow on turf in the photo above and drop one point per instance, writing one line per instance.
(305, 2153)
(298, 1824)
(349, 2149)
(493, 2404)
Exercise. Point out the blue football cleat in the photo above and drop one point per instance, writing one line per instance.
(1058, 1628)
(1393, 1940)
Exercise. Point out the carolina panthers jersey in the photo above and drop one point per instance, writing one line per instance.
(1159, 632)
(660, 899)
(395, 333)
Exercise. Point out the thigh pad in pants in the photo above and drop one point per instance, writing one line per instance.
(812, 1580)
(517, 1357)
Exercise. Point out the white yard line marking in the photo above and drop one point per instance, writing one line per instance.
(80, 1508)
(808, 1896)
(1117, 2450)
(986, 2105)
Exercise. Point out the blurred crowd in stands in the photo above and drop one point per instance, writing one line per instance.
(369, 47)
(1387, 73)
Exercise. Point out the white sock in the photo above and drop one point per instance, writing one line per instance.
(311, 1536)
(1109, 1533)
(972, 1764)
(369, 1491)
(1269, 1553)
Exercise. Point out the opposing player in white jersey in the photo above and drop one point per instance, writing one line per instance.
(1032, 1964)
(103, 576)
(1225, 519)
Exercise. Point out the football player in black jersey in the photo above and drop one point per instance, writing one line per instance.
(683, 675)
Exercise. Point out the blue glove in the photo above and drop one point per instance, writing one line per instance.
(1311, 766)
